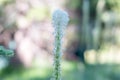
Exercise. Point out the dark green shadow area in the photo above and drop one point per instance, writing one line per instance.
(92, 72)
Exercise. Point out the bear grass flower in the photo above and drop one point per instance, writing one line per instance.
(6, 52)
(60, 20)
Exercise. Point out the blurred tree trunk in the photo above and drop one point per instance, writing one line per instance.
(85, 24)
(97, 29)
(98, 26)
(85, 39)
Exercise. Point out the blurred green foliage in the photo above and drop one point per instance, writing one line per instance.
(5, 52)
(5, 2)
(113, 5)
(73, 4)
(38, 13)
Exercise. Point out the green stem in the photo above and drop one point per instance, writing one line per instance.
(57, 56)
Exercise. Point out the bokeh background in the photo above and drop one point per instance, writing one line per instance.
(91, 48)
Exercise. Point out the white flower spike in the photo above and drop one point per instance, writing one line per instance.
(60, 20)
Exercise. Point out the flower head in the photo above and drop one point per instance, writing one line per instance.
(60, 19)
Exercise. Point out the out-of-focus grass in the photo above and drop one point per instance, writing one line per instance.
(20, 73)
(71, 70)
